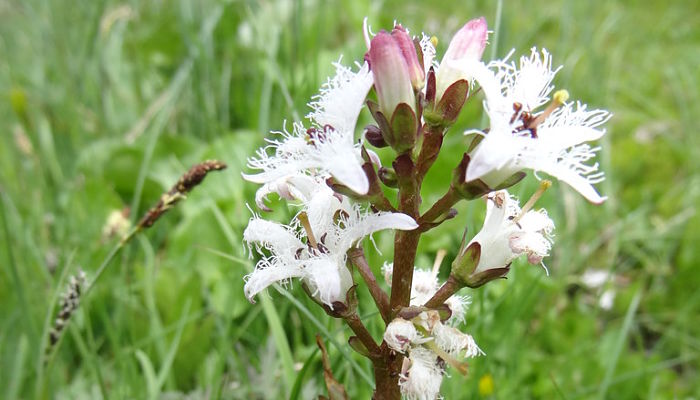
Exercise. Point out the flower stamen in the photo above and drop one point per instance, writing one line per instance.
(544, 185)
(438, 260)
(558, 99)
(304, 220)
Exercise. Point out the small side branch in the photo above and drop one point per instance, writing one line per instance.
(353, 320)
(441, 207)
(450, 287)
(381, 299)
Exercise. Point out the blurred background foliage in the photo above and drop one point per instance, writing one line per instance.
(103, 104)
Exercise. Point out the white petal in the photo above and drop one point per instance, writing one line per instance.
(495, 154)
(537, 221)
(268, 272)
(350, 173)
(400, 334)
(580, 183)
(428, 52)
(320, 209)
(473, 349)
(326, 280)
(477, 70)
(562, 137)
(571, 125)
(339, 156)
(458, 307)
(423, 378)
(279, 186)
(341, 98)
(494, 236)
(304, 186)
(532, 83)
(424, 283)
(272, 235)
(374, 157)
(358, 227)
(450, 339)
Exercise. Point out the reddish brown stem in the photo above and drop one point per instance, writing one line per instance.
(450, 287)
(429, 151)
(363, 334)
(405, 242)
(441, 206)
(386, 377)
(357, 257)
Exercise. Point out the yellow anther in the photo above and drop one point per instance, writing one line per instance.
(434, 41)
(561, 96)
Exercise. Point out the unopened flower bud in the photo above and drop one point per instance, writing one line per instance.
(467, 45)
(392, 79)
(408, 50)
(399, 334)
(388, 177)
(374, 136)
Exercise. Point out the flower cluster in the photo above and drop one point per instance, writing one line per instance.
(428, 338)
(344, 193)
(313, 246)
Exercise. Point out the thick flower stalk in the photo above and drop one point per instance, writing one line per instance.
(343, 193)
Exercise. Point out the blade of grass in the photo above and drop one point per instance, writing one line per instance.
(619, 344)
(304, 310)
(296, 389)
(149, 374)
(89, 358)
(269, 309)
(172, 352)
(14, 273)
(15, 382)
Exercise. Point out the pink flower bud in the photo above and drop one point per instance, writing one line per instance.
(391, 73)
(408, 50)
(467, 45)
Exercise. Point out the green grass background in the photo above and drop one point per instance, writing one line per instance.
(103, 104)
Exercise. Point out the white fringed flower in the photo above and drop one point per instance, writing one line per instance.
(341, 98)
(314, 246)
(506, 234)
(423, 377)
(424, 286)
(328, 149)
(552, 141)
(400, 334)
(453, 341)
(328, 152)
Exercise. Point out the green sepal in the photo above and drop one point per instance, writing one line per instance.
(404, 127)
(466, 262)
(388, 177)
(358, 346)
(484, 277)
(452, 101)
(512, 180)
(382, 122)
